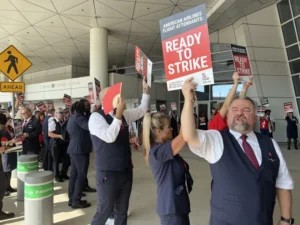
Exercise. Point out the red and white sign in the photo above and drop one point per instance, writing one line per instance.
(242, 63)
(110, 99)
(50, 104)
(98, 89)
(173, 106)
(162, 107)
(288, 107)
(41, 106)
(260, 111)
(143, 65)
(91, 93)
(186, 48)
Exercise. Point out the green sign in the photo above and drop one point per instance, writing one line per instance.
(27, 167)
(38, 191)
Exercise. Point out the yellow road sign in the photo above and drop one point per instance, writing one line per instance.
(12, 86)
(13, 63)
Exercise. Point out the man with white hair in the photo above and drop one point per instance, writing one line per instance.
(248, 168)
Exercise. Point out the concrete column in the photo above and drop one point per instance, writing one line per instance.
(19, 79)
(99, 55)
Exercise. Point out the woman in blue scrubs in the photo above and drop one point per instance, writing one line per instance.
(170, 171)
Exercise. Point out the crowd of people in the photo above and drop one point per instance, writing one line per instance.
(248, 169)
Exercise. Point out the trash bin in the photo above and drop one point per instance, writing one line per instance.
(38, 207)
(26, 164)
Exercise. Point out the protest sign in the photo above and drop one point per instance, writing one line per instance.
(153, 108)
(288, 107)
(41, 106)
(143, 65)
(186, 48)
(260, 111)
(173, 106)
(110, 99)
(98, 89)
(18, 128)
(91, 93)
(50, 104)
(162, 107)
(242, 63)
(264, 102)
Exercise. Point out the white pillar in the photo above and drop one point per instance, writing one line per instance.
(99, 55)
(19, 79)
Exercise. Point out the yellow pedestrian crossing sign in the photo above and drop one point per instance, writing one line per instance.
(13, 63)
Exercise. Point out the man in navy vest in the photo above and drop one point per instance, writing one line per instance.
(248, 168)
(47, 159)
(110, 137)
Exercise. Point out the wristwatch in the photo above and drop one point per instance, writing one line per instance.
(289, 221)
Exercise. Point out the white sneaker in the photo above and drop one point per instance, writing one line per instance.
(128, 213)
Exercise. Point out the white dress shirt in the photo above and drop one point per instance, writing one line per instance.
(52, 124)
(212, 148)
(109, 133)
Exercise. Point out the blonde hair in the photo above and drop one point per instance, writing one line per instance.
(151, 122)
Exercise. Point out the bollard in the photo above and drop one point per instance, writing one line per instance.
(26, 164)
(38, 191)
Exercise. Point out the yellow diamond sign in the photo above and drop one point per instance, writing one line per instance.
(13, 63)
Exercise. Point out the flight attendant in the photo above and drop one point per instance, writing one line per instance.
(170, 171)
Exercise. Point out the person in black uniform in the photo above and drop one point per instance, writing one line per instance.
(9, 159)
(170, 171)
(57, 145)
(87, 112)
(47, 159)
(292, 129)
(3, 215)
(32, 128)
(79, 150)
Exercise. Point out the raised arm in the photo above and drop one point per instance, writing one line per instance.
(101, 129)
(187, 117)
(230, 96)
(132, 115)
(244, 89)
(178, 143)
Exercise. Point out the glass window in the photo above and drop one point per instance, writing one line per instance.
(296, 82)
(289, 33)
(297, 22)
(295, 7)
(293, 52)
(298, 102)
(295, 66)
(219, 92)
(284, 11)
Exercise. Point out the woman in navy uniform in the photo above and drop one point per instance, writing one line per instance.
(170, 171)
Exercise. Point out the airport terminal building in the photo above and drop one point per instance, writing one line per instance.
(72, 42)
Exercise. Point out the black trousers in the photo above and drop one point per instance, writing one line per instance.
(175, 219)
(2, 186)
(79, 166)
(58, 153)
(113, 193)
(47, 157)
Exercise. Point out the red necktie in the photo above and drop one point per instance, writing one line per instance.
(24, 124)
(249, 152)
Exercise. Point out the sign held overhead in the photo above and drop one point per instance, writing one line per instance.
(186, 48)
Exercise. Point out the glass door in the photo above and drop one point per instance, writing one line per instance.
(203, 108)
